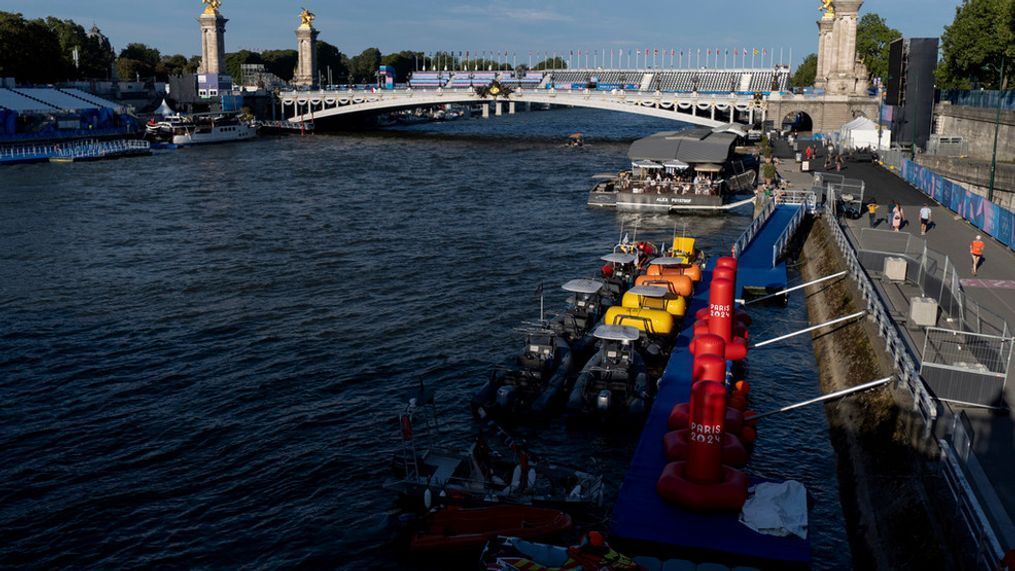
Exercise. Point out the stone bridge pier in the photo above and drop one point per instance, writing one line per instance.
(827, 113)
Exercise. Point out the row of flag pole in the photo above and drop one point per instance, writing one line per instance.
(649, 58)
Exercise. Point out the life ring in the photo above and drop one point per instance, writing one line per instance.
(677, 442)
(728, 494)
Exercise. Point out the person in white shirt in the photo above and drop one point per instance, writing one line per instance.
(924, 219)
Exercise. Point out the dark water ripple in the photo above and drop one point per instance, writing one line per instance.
(202, 353)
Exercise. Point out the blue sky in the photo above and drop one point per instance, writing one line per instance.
(516, 26)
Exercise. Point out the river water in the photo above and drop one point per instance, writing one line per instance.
(202, 352)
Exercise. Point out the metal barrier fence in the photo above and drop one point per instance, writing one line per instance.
(892, 159)
(782, 243)
(935, 275)
(741, 244)
(957, 461)
(93, 149)
(966, 368)
(903, 358)
(957, 440)
(947, 146)
(980, 98)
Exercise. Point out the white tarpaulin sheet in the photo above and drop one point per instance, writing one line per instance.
(777, 509)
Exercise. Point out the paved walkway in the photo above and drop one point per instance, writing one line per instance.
(993, 288)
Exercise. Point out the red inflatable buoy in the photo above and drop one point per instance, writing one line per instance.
(677, 442)
(680, 417)
(727, 262)
(708, 417)
(708, 368)
(724, 274)
(720, 309)
(727, 493)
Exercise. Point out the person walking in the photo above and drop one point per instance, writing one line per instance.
(872, 211)
(924, 219)
(897, 217)
(976, 251)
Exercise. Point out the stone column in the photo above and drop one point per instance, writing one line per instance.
(825, 26)
(306, 41)
(213, 44)
(843, 79)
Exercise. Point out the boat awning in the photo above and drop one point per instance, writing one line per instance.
(616, 333)
(675, 164)
(692, 146)
(619, 258)
(649, 291)
(708, 168)
(667, 261)
(583, 285)
(645, 165)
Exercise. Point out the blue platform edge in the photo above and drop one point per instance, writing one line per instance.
(641, 515)
(754, 266)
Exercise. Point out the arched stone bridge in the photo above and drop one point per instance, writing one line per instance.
(826, 112)
(708, 110)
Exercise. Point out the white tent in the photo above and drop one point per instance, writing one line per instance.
(164, 110)
(863, 133)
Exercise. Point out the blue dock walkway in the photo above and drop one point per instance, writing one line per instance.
(758, 268)
(640, 515)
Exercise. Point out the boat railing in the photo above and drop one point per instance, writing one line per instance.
(99, 148)
(741, 244)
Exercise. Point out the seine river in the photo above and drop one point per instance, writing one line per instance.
(202, 352)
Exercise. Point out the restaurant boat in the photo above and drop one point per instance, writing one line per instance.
(696, 169)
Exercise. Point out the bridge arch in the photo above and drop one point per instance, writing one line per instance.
(706, 110)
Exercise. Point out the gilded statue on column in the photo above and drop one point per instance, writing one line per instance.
(307, 18)
(211, 6)
(827, 8)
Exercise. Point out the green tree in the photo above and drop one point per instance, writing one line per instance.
(171, 66)
(552, 63)
(363, 68)
(137, 61)
(328, 56)
(972, 46)
(403, 62)
(805, 72)
(95, 55)
(281, 63)
(873, 36)
(29, 50)
(235, 60)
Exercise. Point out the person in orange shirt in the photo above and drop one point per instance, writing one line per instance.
(976, 251)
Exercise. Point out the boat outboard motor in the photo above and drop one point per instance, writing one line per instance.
(603, 400)
(505, 395)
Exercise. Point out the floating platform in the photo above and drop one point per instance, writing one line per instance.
(642, 519)
(756, 274)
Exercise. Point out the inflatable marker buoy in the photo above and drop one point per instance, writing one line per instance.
(739, 316)
(677, 443)
(724, 274)
(727, 262)
(708, 368)
(727, 493)
(680, 418)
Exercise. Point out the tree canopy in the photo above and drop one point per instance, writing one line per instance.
(42, 50)
(552, 63)
(805, 72)
(363, 68)
(973, 45)
(873, 37)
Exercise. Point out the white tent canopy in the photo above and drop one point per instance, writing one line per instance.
(164, 110)
(864, 133)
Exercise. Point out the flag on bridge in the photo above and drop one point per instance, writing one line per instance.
(755, 51)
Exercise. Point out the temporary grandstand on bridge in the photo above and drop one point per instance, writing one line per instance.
(742, 81)
(33, 114)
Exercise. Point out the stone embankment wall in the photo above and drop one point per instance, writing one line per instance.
(976, 127)
(886, 469)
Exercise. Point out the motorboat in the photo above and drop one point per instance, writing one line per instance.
(514, 553)
(533, 384)
(618, 273)
(201, 129)
(585, 307)
(456, 528)
(428, 475)
(614, 382)
(654, 311)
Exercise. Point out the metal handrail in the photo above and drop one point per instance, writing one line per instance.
(741, 244)
(782, 243)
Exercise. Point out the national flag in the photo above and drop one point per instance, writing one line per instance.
(755, 51)
(764, 51)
